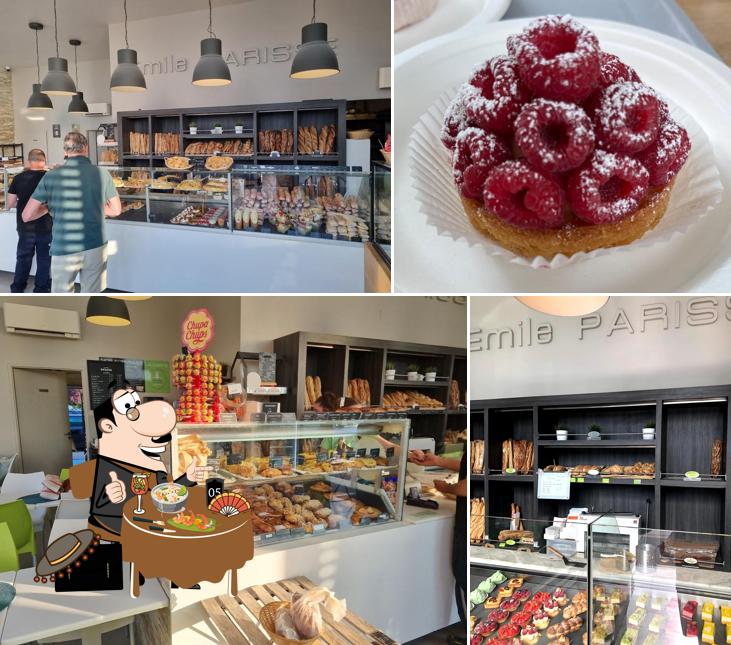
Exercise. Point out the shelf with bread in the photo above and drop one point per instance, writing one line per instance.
(659, 454)
(304, 479)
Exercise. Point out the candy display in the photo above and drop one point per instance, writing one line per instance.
(198, 376)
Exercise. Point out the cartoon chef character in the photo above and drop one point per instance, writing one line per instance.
(132, 438)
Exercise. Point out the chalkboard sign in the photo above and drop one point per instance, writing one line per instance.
(214, 486)
(101, 374)
(274, 418)
(268, 368)
(268, 408)
(134, 371)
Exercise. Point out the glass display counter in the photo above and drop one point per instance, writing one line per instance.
(381, 224)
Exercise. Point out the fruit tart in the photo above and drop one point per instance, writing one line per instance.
(559, 147)
(508, 631)
(521, 618)
(486, 628)
(499, 616)
(511, 604)
(521, 595)
(541, 620)
(551, 608)
(529, 635)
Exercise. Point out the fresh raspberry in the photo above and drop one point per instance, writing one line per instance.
(455, 118)
(666, 156)
(612, 70)
(501, 94)
(608, 187)
(554, 136)
(476, 153)
(628, 117)
(521, 195)
(558, 58)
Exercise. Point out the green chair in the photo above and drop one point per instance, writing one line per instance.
(17, 518)
(8, 554)
(64, 474)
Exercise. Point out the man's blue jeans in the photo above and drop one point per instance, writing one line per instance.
(30, 244)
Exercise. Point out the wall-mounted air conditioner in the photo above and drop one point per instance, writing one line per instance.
(41, 321)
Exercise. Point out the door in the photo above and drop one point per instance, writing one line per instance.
(41, 399)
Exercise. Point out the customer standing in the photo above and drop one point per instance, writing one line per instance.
(78, 195)
(34, 238)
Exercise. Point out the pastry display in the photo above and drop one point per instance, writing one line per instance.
(705, 552)
(167, 143)
(517, 455)
(234, 147)
(310, 141)
(707, 611)
(281, 141)
(399, 400)
(218, 163)
(216, 186)
(177, 163)
(530, 635)
(139, 143)
(636, 617)
(629, 637)
(132, 205)
(689, 610)
(565, 627)
(477, 456)
(558, 146)
(708, 634)
(189, 447)
(190, 185)
(477, 520)
(656, 623)
(691, 628)
(360, 390)
(559, 595)
(108, 156)
(201, 216)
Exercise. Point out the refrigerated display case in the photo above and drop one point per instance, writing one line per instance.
(381, 224)
(305, 478)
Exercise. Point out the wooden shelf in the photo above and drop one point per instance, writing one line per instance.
(601, 444)
(681, 483)
(416, 384)
(526, 479)
(225, 135)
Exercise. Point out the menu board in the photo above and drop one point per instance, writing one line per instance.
(134, 371)
(554, 485)
(101, 375)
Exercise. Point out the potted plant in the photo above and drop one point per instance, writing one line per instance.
(412, 372)
(595, 432)
(562, 433)
(430, 373)
(193, 127)
(217, 129)
(648, 431)
(390, 371)
(239, 128)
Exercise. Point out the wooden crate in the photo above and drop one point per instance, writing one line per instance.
(237, 619)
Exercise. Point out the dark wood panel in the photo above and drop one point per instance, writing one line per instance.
(506, 425)
(687, 509)
(615, 423)
(688, 435)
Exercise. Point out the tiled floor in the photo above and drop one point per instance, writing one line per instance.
(442, 637)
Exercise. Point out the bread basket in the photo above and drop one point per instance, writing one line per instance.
(266, 619)
(360, 134)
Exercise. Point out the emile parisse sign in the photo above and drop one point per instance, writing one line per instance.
(279, 53)
(611, 322)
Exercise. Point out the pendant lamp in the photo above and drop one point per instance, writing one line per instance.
(78, 104)
(57, 81)
(131, 298)
(564, 305)
(127, 76)
(315, 58)
(108, 312)
(38, 100)
(211, 70)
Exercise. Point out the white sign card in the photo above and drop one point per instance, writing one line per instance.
(554, 485)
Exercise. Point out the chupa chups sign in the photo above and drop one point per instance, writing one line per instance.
(197, 330)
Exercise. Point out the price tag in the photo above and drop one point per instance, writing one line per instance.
(234, 388)
(274, 418)
(258, 417)
(510, 471)
(573, 480)
(269, 408)
(510, 542)
(579, 480)
(297, 531)
(275, 462)
(637, 481)
(318, 528)
(227, 417)
(310, 415)
(501, 545)
(605, 480)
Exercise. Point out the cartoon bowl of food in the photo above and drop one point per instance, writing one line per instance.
(169, 497)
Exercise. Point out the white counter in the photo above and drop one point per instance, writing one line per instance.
(148, 257)
(397, 576)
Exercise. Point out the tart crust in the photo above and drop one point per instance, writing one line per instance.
(574, 236)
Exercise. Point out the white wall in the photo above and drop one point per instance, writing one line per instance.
(404, 318)
(694, 350)
(93, 81)
(362, 30)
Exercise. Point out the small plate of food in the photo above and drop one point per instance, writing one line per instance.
(169, 497)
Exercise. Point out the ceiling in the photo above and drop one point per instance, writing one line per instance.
(86, 20)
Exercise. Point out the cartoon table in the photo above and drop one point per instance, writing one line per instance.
(185, 557)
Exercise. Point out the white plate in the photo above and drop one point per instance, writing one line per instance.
(699, 260)
(448, 16)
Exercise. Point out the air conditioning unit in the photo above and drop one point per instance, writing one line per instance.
(99, 109)
(41, 321)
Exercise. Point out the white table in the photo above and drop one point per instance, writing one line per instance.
(60, 527)
(73, 509)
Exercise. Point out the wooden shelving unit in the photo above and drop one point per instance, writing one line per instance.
(687, 420)
(337, 359)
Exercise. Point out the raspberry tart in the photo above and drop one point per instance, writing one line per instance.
(559, 147)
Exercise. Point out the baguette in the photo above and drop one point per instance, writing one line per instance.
(311, 391)
(318, 388)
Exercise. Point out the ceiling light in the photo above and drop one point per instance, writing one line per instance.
(108, 312)
(315, 58)
(211, 70)
(57, 81)
(564, 305)
(131, 298)
(38, 100)
(78, 104)
(127, 76)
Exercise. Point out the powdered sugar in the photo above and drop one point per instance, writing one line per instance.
(628, 117)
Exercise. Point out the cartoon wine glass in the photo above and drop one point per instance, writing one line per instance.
(139, 487)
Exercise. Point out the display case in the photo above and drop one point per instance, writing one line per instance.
(8, 172)
(381, 222)
(305, 479)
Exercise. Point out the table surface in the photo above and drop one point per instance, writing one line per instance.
(713, 18)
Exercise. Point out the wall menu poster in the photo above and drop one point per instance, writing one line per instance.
(157, 377)
(101, 375)
(554, 485)
(134, 371)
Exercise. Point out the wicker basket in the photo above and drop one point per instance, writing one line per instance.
(360, 134)
(266, 618)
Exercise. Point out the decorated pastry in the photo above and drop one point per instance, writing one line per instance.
(492, 602)
(541, 620)
(498, 577)
(551, 608)
(521, 618)
(486, 628)
(499, 616)
(636, 618)
(708, 611)
(533, 606)
(629, 637)
(542, 596)
(504, 592)
(580, 598)
(487, 586)
(515, 582)
(559, 595)
(477, 596)
(658, 602)
(529, 635)
(728, 634)
(510, 604)
(725, 615)
(508, 631)
(599, 635)
(656, 624)
(616, 597)
(708, 635)
(521, 595)
(689, 609)
(599, 593)
(691, 629)
(642, 600)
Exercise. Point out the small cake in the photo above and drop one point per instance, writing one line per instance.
(529, 635)
(510, 604)
(728, 634)
(542, 596)
(616, 597)
(541, 620)
(487, 586)
(725, 615)
(580, 598)
(551, 608)
(521, 618)
(499, 616)
(559, 595)
(508, 631)
(492, 602)
(629, 637)
(599, 635)
(658, 602)
(656, 624)
(533, 605)
(521, 595)
(650, 639)
(636, 618)
(515, 582)
(504, 592)
(600, 593)
(477, 596)
(709, 633)
(689, 609)
(498, 577)
(642, 600)
(691, 629)
(475, 639)
(486, 628)
(707, 612)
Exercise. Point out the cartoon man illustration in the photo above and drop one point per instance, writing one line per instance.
(132, 438)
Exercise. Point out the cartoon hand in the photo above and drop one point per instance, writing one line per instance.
(193, 472)
(116, 492)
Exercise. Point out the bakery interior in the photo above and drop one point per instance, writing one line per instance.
(250, 407)
(600, 501)
(245, 133)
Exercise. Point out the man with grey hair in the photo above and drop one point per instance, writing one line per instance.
(78, 195)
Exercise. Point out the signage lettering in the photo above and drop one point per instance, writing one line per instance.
(197, 330)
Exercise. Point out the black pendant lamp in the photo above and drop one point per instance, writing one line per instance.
(315, 58)
(58, 82)
(127, 76)
(211, 70)
(78, 104)
(108, 312)
(38, 100)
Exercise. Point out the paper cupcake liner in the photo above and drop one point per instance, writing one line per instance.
(409, 12)
(697, 191)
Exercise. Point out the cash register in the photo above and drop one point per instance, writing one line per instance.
(613, 533)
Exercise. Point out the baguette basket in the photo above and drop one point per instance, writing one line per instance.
(266, 619)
